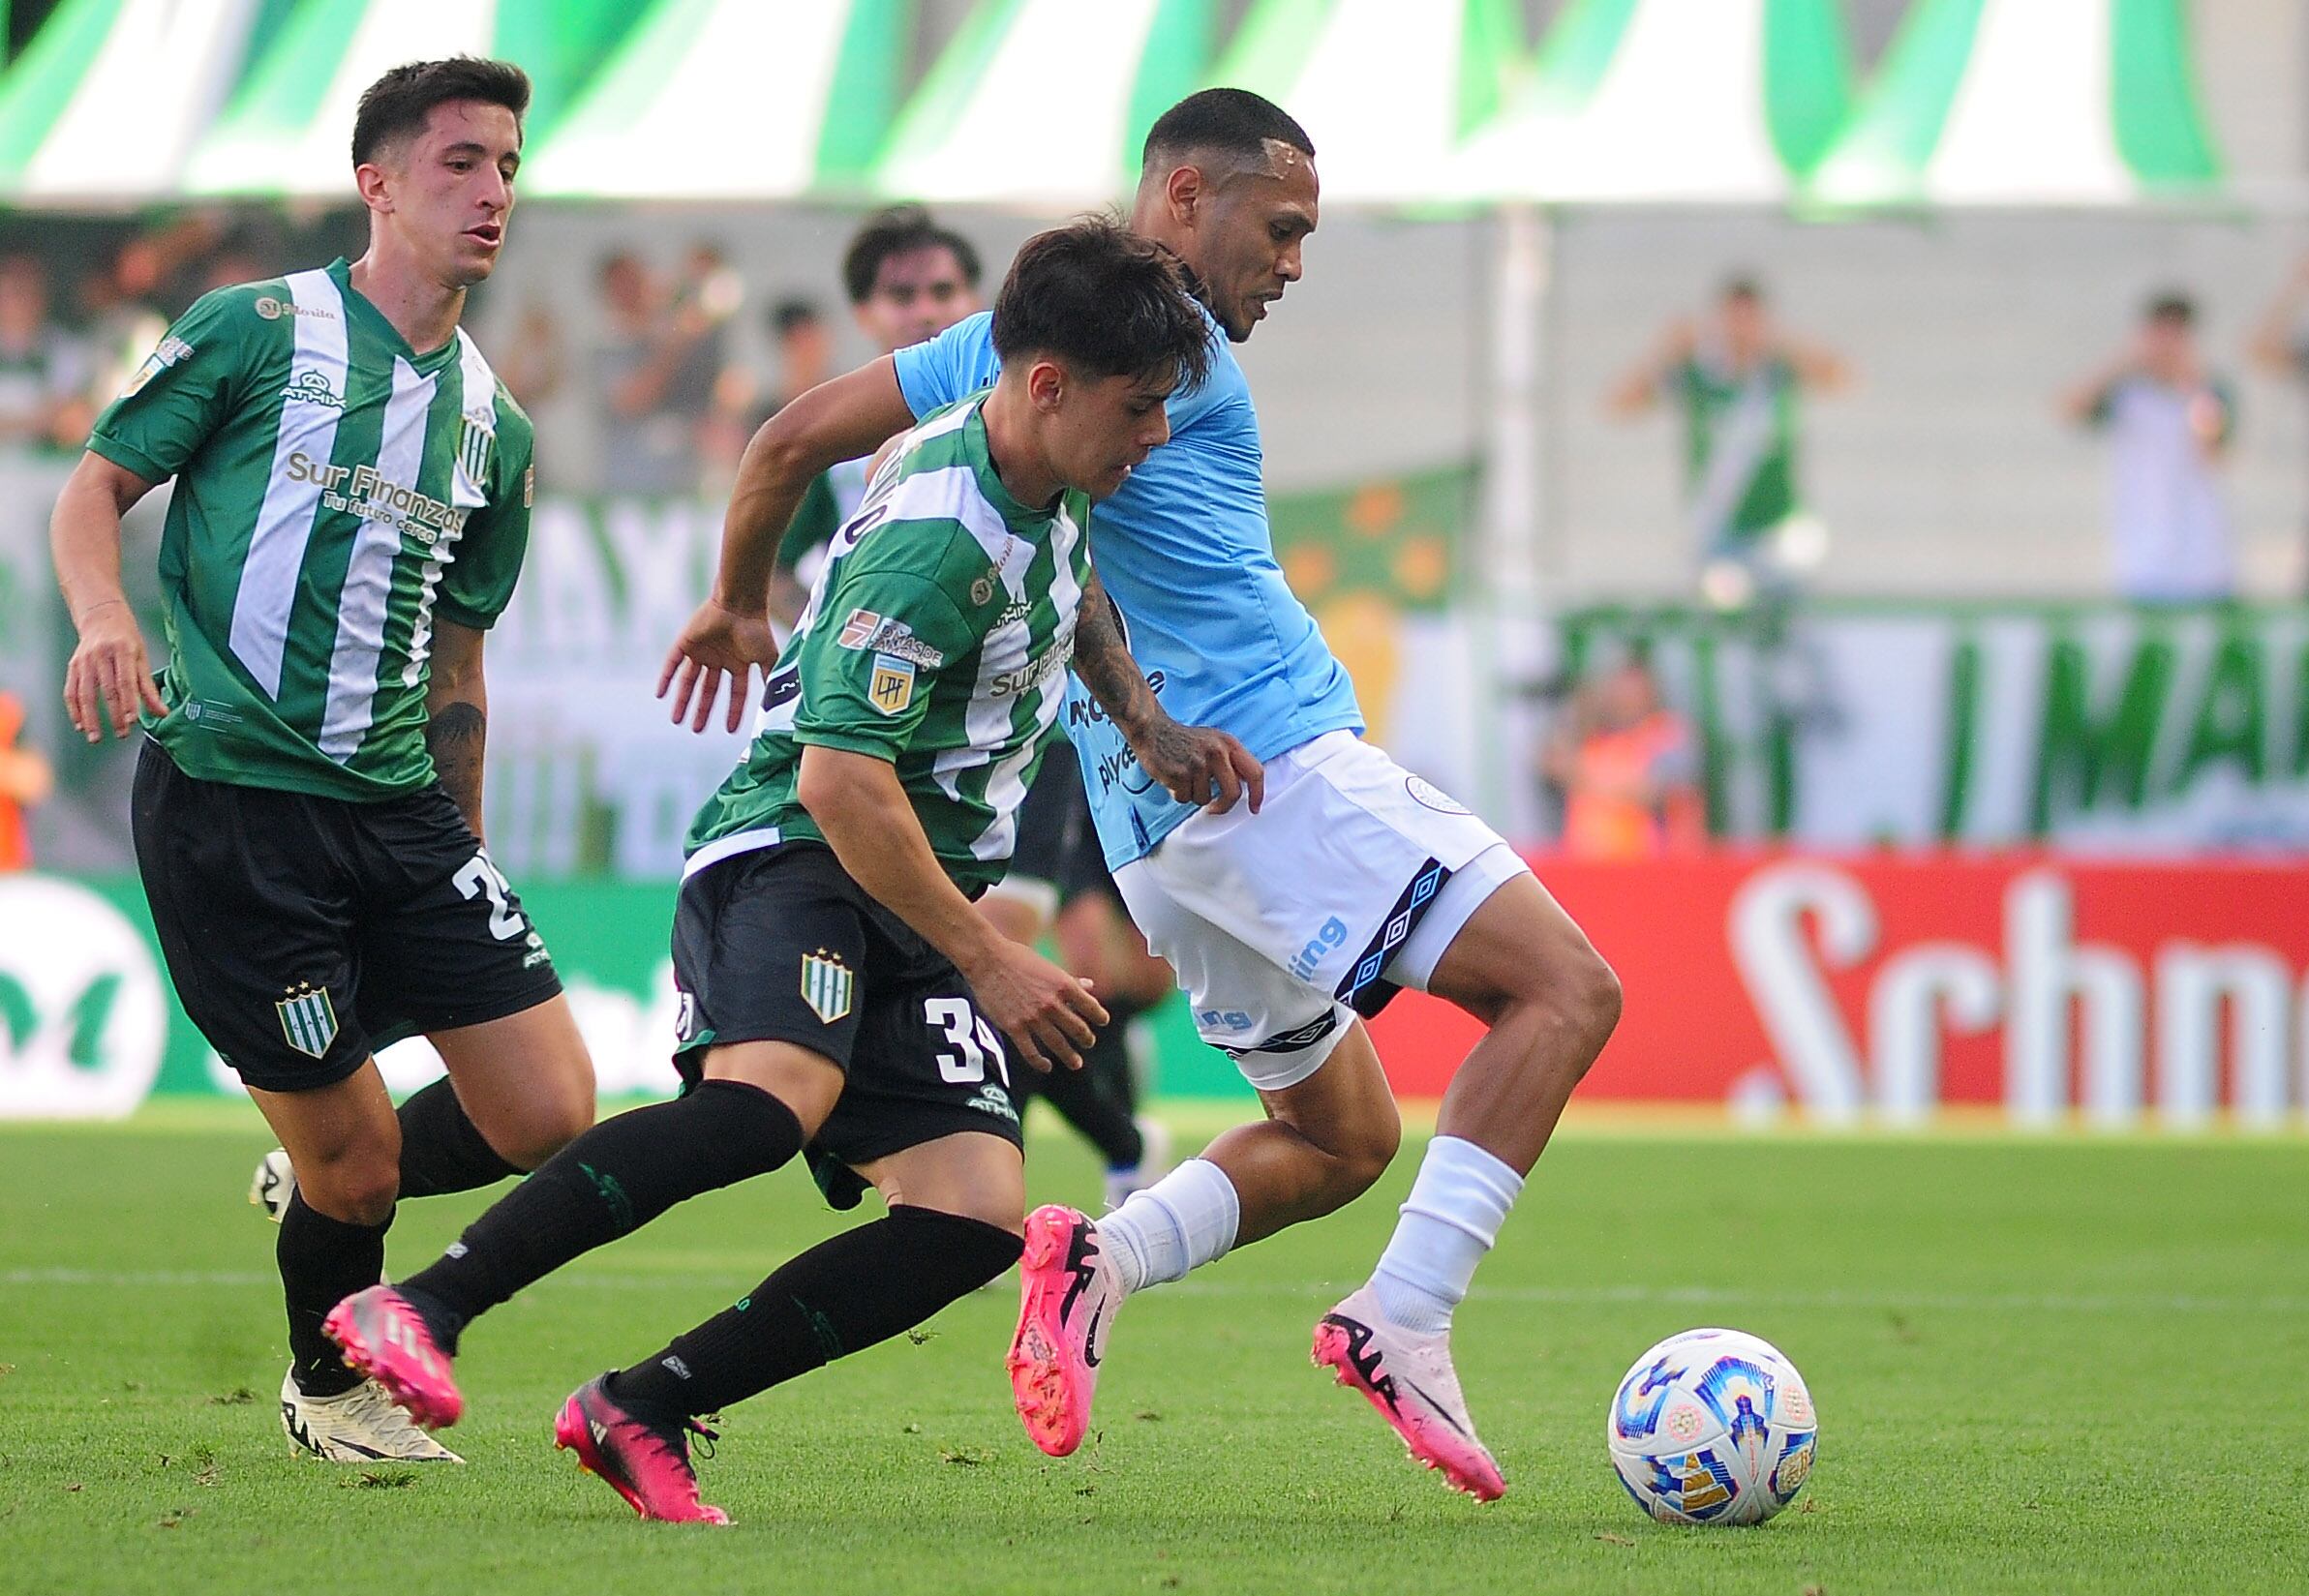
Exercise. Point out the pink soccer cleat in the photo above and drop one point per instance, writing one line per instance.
(384, 1338)
(1409, 1378)
(1067, 1298)
(646, 1461)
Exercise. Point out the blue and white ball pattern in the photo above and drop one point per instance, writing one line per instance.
(1712, 1426)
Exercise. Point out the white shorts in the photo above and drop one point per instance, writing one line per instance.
(1348, 885)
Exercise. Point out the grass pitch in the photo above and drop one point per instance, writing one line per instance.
(2067, 1366)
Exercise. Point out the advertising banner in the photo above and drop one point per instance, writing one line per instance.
(1876, 987)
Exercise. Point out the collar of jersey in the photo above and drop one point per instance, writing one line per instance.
(1020, 518)
(357, 304)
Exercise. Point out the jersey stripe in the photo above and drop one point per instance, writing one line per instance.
(368, 574)
(268, 577)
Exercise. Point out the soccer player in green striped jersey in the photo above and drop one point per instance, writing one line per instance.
(352, 502)
(839, 992)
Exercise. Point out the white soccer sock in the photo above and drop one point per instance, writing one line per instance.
(1454, 1210)
(1182, 1221)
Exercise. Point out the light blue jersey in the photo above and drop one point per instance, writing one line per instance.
(1185, 551)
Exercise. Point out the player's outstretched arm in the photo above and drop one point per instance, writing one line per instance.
(729, 636)
(861, 807)
(1195, 763)
(110, 672)
(457, 703)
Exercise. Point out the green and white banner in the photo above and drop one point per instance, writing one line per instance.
(2092, 728)
(733, 100)
(980, 127)
(1707, 102)
(2027, 102)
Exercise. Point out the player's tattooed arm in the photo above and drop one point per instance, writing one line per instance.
(457, 702)
(1195, 763)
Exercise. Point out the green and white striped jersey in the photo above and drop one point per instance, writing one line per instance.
(336, 492)
(936, 637)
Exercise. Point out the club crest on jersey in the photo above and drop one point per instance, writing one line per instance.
(827, 986)
(892, 688)
(307, 1019)
(476, 443)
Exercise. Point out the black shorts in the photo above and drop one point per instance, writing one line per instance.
(1058, 843)
(780, 944)
(303, 933)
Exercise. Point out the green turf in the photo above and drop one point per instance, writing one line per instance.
(2039, 1367)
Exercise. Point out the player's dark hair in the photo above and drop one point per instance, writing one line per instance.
(1103, 300)
(1231, 121)
(396, 105)
(2174, 306)
(900, 229)
(789, 314)
(1743, 286)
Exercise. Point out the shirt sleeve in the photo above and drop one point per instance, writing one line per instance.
(478, 583)
(867, 669)
(956, 362)
(816, 519)
(186, 388)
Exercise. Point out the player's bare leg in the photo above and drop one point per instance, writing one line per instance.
(332, 1243)
(955, 1204)
(1522, 967)
(526, 1081)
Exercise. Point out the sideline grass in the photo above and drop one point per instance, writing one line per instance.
(2042, 1365)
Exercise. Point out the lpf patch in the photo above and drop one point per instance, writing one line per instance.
(827, 986)
(1433, 798)
(892, 688)
(309, 1020)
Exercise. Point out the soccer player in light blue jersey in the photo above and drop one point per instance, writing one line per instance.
(1288, 920)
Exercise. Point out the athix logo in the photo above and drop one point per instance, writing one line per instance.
(310, 387)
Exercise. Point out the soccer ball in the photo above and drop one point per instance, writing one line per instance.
(1712, 1427)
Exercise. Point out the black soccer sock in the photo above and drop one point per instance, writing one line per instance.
(323, 1262)
(843, 1296)
(1089, 1099)
(442, 1150)
(609, 1182)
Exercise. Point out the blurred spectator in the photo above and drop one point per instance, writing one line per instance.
(26, 782)
(1737, 378)
(655, 371)
(45, 370)
(1626, 764)
(530, 362)
(2169, 423)
(908, 279)
(805, 348)
(2279, 346)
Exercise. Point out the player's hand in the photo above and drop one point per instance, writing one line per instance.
(717, 643)
(1047, 1014)
(109, 673)
(1202, 765)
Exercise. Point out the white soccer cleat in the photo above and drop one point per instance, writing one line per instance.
(273, 1183)
(1410, 1379)
(362, 1426)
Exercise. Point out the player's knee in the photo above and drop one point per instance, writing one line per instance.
(1364, 1152)
(1592, 1000)
(356, 1191)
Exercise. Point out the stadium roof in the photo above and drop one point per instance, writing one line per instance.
(2027, 102)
